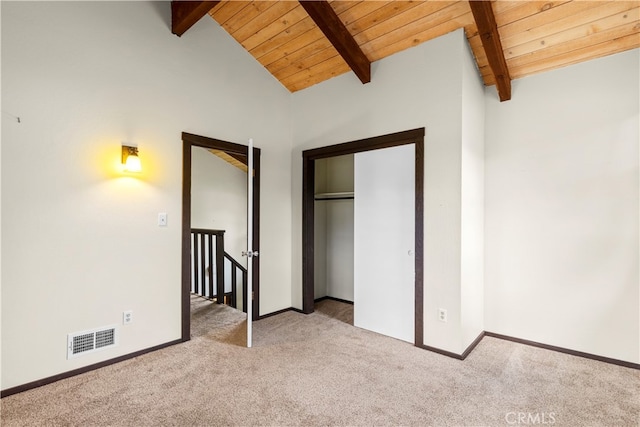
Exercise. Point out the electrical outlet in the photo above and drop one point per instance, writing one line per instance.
(162, 219)
(127, 317)
(442, 315)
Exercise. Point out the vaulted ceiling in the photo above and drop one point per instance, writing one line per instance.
(305, 43)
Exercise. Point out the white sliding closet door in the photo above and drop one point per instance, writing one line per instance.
(384, 235)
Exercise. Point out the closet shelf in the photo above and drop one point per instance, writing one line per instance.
(344, 195)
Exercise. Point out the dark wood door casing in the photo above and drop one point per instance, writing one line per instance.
(414, 136)
(188, 141)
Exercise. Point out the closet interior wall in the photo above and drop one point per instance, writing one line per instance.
(334, 226)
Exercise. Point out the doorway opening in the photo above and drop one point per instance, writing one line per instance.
(416, 137)
(233, 151)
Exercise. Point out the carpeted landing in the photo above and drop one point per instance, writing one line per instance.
(319, 370)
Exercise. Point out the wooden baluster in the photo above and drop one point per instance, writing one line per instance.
(203, 263)
(244, 291)
(220, 266)
(233, 284)
(210, 269)
(195, 263)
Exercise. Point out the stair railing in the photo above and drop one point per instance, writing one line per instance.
(213, 271)
(238, 272)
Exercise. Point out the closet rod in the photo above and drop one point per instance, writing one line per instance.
(346, 195)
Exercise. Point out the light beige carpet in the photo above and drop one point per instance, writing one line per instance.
(318, 370)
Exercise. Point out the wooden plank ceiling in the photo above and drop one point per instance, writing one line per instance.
(535, 36)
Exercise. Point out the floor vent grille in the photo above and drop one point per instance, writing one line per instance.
(85, 342)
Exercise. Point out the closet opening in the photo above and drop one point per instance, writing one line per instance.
(329, 197)
(334, 234)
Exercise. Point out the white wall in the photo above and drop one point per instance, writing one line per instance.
(339, 248)
(219, 200)
(562, 190)
(339, 173)
(472, 202)
(420, 87)
(80, 242)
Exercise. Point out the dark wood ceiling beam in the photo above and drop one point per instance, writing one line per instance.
(186, 13)
(334, 29)
(488, 32)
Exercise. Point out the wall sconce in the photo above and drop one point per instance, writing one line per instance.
(130, 159)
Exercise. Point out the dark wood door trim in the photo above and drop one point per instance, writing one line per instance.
(188, 141)
(414, 136)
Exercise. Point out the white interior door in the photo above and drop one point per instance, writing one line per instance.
(250, 253)
(384, 234)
